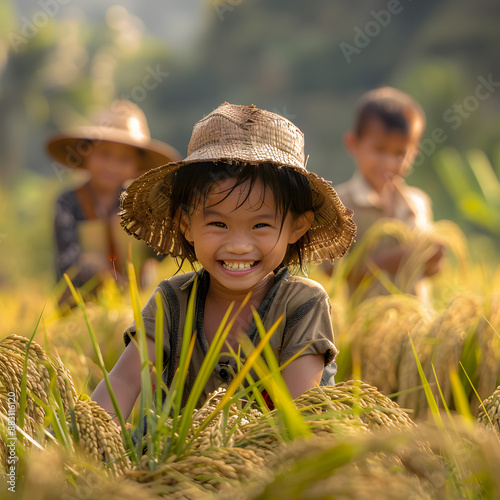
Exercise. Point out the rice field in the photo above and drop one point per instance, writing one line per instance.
(414, 414)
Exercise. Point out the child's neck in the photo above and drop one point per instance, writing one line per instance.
(221, 294)
(106, 199)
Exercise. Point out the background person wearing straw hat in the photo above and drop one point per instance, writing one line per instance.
(243, 206)
(115, 148)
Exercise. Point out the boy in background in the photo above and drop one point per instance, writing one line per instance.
(384, 142)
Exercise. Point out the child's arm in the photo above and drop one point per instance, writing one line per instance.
(125, 378)
(390, 261)
(304, 373)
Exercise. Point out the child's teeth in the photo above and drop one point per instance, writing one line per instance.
(238, 265)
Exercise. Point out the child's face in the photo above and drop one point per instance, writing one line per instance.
(240, 247)
(111, 164)
(381, 155)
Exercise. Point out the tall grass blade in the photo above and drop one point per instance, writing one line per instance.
(480, 400)
(158, 352)
(290, 420)
(174, 398)
(427, 389)
(100, 362)
(61, 414)
(485, 175)
(253, 387)
(240, 376)
(55, 422)
(461, 400)
(146, 398)
(188, 336)
(443, 399)
(276, 386)
(206, 369)
(22, 398)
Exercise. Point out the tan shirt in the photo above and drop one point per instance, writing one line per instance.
(306, 323)
(411, 206)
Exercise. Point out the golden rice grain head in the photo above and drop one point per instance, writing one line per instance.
(210, 471)
(379, 336)
(54, 475)
(369, 468)
(65, 383)
(99, 436)
(13, 352)
(375, 409)
(225, 426)
(489, 412)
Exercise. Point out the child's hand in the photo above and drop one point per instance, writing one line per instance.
(387, 198)
(128, 427)
(433, 265)
(390, 193)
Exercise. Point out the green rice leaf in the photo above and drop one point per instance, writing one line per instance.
(459, 396)
(158, 351)
(428, 392)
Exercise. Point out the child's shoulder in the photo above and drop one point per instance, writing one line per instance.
(180, 282)
(418, 199)
(354, 192)
(68, 196)
(72, 196)
(353, 188)
(347, 186)
(302, 287)
(299, 295)
(296, 280)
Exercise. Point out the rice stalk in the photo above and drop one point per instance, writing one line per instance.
(489, 412)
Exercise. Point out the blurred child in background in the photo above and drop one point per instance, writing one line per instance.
(115, 148)
(383, 144)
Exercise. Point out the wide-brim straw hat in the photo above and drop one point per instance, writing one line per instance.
(123, 123)
(233, 133)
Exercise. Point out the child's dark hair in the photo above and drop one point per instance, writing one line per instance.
(397, 111)
(291, 191)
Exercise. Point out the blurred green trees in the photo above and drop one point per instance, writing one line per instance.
(283, 56)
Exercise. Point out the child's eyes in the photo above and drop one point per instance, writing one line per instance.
(222, 225)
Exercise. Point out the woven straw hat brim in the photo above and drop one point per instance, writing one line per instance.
(70, 150)
(145, 211)
(247, 134)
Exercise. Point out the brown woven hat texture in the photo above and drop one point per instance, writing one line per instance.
(244, 134)
(123, 123)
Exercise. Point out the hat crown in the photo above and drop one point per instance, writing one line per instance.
(124, 116)
(247, 134)
(123, 122)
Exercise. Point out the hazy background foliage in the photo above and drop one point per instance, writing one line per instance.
(61, 60)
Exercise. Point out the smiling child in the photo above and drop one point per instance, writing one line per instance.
(244, 207)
